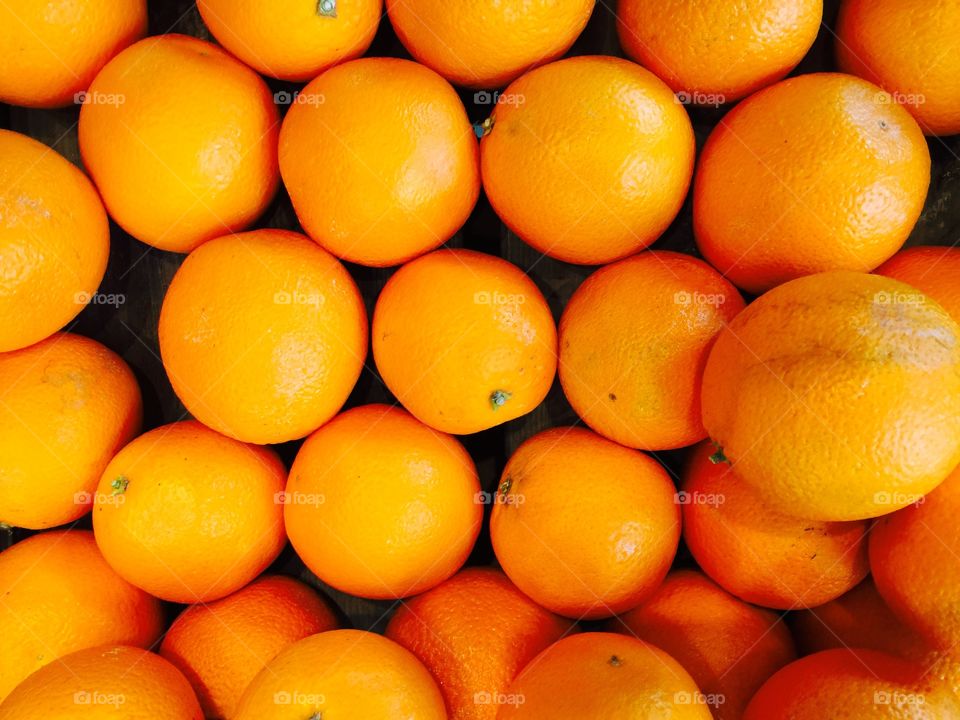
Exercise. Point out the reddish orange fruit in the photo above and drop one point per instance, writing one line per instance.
(632, 365)
(933, 270)
(58, 595)
(475, 632)
(728, 647)
(221, 646)
(188, 514)
(622, 505)
(380, 505)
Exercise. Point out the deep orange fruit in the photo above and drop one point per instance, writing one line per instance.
(931, 269)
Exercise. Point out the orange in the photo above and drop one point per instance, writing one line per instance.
(58, 595)
(190, 515)
(221, 646)
(181, 140)
(479, 44)
(343, 673)
(380, 505)
(728, 647)
(933, 270)
(913, 555)
(380, 160)
(620, 503)
(291, 39)
(603, 675)
(587, 159)
(263, 335)
(54, 240)
(67, 404)
(631, 363)
(718, 52)
(852, 685)
(464, 340)
(104, 683)
(837, 395)
(819, 172)
(857, 619)
(53, 50)
(911, 50)
(475, 632)
(782, 562)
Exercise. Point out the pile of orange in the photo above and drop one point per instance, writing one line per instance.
(568, 363)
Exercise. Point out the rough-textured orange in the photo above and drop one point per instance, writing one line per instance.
(729, 647)
(221, 646)
(487, 45)
(819, 172)
(53, 50)
(913, 555)
(59, 595)
(380, 505)
(181, 140)
(631, 363)
(603, 675)
(464, 340)
(380, 160)
(67, 404)
(718, 52)
(263, 335)
(475, 632)
(588, 159)
(585, 527)
(852, 685)
(104, 683)
(293, 39)
(188, 514)
(932, 270)
(781, 561)
(910, 49)
(837, 395)
(54, 241)
(343, 673)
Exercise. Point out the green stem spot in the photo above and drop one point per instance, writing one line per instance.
(718, 457)
(505, 486)
(498, 398)
(327, 8)
(483, 129)
(120, 485)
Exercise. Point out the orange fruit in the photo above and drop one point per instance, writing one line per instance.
(631, 364)
(54, 240)
(221, 646)
(718, 52)
(913, 555)
(464, 340)
(619, 500)
(103, 683)
(603, 675)
(852, 685)
(380, 505)
(67, 405)
(181, 140)
(728, 647)
(932, 270)
(58, 595)
(475, 632)
(783, 562)
(819, 172)
(343, 673)
(837, 395)
(913, 51)
(53, 50)
(487, 45)
(292, 40)
(857, 619)
(588, 159)
(263, 335)
(380, 160)
(190, 515)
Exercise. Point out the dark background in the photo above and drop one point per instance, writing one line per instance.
(141, 273)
